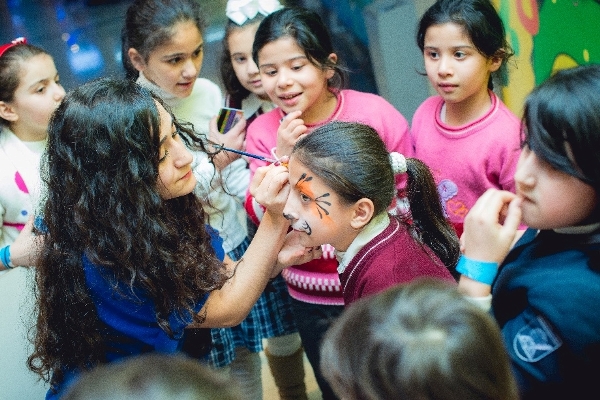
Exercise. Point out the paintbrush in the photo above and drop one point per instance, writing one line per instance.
(266, 159)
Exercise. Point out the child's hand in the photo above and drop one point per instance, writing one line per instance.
(270, 188)
(290, 130)
(491, 225)
(294, 253)
(27, 246)
(235, 138)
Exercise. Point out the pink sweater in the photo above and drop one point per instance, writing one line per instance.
(352, 106)
(390, 258)
(467, 160)
(317, 282)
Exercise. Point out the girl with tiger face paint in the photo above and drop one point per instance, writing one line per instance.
(342, 188)
(315, 211)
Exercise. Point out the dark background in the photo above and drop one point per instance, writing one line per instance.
(83, 36)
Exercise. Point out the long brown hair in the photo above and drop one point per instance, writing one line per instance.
(103, 202)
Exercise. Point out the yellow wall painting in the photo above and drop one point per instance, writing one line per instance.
(546, 36)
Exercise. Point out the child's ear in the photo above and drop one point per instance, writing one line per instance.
(330, 71)
(7, 112)
(362, 214)
(136, 59)
(495, 61)
(495, 64)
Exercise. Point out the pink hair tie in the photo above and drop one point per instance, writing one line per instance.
(4, 47)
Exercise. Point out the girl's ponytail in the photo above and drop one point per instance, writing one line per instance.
(429, 224)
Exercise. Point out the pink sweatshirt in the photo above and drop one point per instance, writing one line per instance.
(352, 106)
(317, 282)
(467, 160)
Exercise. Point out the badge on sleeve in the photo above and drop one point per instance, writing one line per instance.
(535, 340)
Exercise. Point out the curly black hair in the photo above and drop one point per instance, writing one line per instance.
(102, 167)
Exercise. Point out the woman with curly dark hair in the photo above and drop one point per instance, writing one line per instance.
(128, 261)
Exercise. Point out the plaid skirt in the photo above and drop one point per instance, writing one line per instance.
(271, 316)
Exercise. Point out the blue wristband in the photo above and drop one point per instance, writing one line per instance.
(480, 271)
(5, 257)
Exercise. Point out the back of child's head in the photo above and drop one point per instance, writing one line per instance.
(562, 122)
(422, 340)
(11, 66)
(150, 23)
(479, 20)
(353, 161)
(309, 32)
(153, 377)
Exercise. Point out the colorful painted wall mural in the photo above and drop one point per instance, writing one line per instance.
(547, 35)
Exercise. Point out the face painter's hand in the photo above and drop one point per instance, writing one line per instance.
(290, 130)
(235, 138)
(270, 188)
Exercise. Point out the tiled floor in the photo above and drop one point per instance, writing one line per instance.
(83, 36)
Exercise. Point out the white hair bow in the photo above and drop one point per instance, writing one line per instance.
(239, 11)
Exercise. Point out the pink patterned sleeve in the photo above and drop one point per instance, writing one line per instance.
(261, 137)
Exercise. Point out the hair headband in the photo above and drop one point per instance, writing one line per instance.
(398, 163)
(4, 47)
(240, 11)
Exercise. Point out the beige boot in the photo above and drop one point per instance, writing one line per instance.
(288, 373)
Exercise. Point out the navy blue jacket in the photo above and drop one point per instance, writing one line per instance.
(546, 299)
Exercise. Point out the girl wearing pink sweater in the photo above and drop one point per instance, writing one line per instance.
(465, 134)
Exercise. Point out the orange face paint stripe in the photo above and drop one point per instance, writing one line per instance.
(303, 185)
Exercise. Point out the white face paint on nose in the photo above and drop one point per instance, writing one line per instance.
(302, 226)
(297, 224)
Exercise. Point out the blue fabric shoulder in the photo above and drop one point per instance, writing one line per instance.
(216, 242)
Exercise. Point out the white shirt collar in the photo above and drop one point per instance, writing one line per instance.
(373, 228)
(252, 103)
